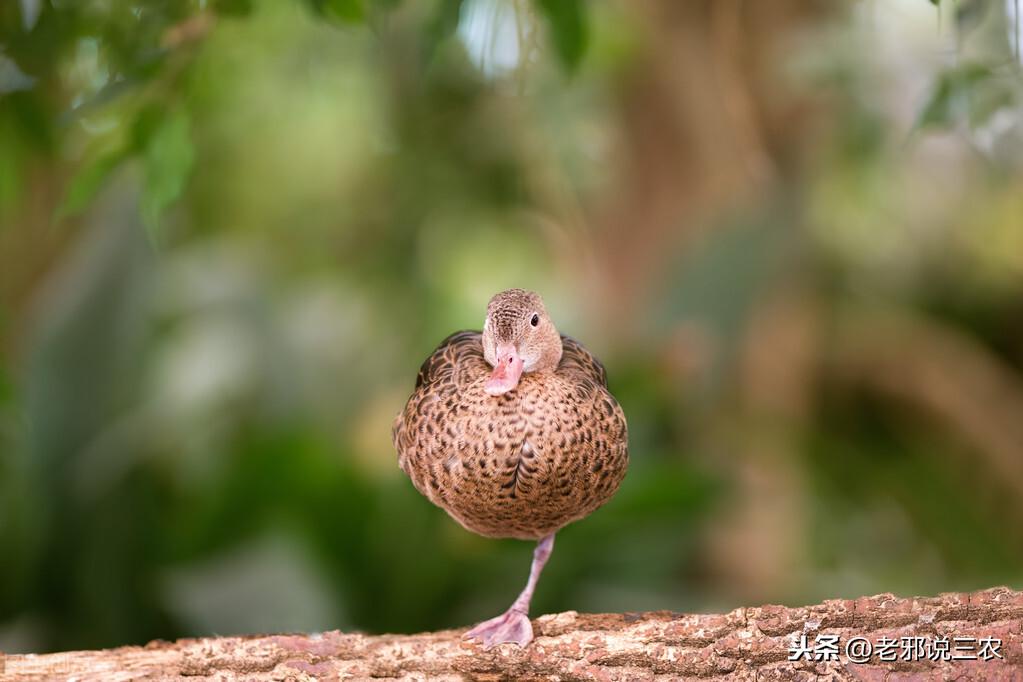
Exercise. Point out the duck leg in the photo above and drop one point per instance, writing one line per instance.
(513, 625)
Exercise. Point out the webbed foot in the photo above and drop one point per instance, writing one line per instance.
(510, 626)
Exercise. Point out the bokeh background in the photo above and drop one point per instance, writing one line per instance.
(230, 231)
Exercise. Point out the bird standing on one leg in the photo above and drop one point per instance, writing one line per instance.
(513, 432)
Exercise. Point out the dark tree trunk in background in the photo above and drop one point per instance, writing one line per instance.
(707, 126)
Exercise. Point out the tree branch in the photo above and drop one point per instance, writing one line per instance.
(745, 644)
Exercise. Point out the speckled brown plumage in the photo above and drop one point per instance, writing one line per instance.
(522, 464)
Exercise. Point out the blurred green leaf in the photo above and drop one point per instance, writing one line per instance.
(444, 22)
(233, 8)
(87, 182)
(567, 22)
(938, 110)
(345, 11)
(949, 100)
(972, 93)
(169, 156)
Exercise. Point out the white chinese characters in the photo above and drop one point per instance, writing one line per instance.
(827, 647)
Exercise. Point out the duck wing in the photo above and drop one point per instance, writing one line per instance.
(461, 351)
(419, 430)
(580, 364)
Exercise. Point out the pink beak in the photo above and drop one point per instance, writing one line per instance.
(506, 372)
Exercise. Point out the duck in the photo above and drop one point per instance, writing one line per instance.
(513, 432)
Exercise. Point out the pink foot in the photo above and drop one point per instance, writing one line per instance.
(510, 626)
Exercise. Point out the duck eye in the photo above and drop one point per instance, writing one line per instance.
(535, 320)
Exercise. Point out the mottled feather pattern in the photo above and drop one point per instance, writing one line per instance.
(523, 464)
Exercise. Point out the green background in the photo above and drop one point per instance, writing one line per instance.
(231, 231)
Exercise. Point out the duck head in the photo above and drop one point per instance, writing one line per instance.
(518, 337)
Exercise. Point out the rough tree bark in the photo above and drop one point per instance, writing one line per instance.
(746, 644)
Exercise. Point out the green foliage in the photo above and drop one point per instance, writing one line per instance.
(984, 78)
(137, 66)
(233, 8)
(169, 156)
(567, 22)
(953, 94)
(444, 23)
(87, 182)
(345, 11)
